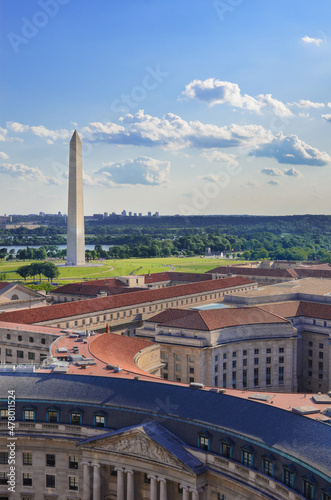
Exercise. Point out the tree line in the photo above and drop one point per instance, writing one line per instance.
(47, 269)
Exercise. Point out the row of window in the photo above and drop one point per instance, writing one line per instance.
(245, 353)
(165, 355)
(50, 480)
(20, 338)
(256, 379)
(53, 416)
(320, 345)
(268, 465)
(281, 361)
(50, 459)
(20, 354)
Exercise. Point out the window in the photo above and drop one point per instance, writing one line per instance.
(50, 460)
(224, 366)
(244, 378)
(268, 350)
(3, 478)
(20, 354)
(256, 376)
(256, 351)
(320, 370)
(165, 376)
(164, 355)
(191, 359)
(9, 352)
(310, 363)
(224, 379)
(281, 375)
(73, 483)
(234, 364)
(100, 420)
(268, 465)
(289, 475)
(268, 375)
(28, 414)
(320, 355)
(245, 353)
(50, 481)
(27, 458)
(320, 346)
(43, 341)
(178, 358)
(204, 441)
(326, 494)
(31, 339)
(191, 369)
(234, 380)
(216, 358)
(147, 479)
(178, 379)
(216, 381)
(3, 457)
(113, 471)
(165, 366)
(52, 416)
(73, 462)
(4, 414)
(19, 338)
(191, 380)
(256, 361)
(281, 360)
(31, 355)
(224, 355)
(308, 487)
(75, 418)
(281, 349)
(268, 360)
(8, 336)
(27, 479)
(310, 344)
(234, 354)
(310, 353)
(247, 456)
(245, 362)
(226, 448)
(178, 368)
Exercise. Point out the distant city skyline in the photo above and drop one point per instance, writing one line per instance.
(183, 107)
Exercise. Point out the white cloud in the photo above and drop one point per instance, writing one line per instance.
(274, 183)
(251, 185)
(293, 172)
(40, 131)
(327, 117)
(291, 150)
(272, 171)
(140, 171)
(4, 156)
(329, 104)
(25, 173)
(173, 132)
(222, 157)
(307, 104)
(215, 91)
(312, 41)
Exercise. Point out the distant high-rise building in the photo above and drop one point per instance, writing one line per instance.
(105, 215)
(75, 225)
(130, 214)
(124, 213)
(149, 214)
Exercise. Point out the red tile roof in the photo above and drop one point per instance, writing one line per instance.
(256, 271)
(175, 276)
(3, 284)
(69, 309)
(213, 319)
(293, 309)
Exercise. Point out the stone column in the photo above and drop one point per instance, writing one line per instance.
(153, 489)
(195, 494)
(96, 481)
(130, 484)
(120, 483)
(86, 481)
(185, 492)
(163, 488)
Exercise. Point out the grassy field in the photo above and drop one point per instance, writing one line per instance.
(123, 267)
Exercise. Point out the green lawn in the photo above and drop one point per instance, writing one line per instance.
(123, 267)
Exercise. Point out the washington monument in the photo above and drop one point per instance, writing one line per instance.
(75, 226)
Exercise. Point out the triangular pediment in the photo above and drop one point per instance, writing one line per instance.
(149, 441)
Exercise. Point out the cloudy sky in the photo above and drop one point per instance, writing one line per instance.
(189, 107)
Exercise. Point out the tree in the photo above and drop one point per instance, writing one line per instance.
(24, 271)
(50, 270)
(3, 253)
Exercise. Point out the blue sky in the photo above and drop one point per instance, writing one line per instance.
(189, 107)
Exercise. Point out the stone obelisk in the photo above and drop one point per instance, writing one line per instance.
(75, 224)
